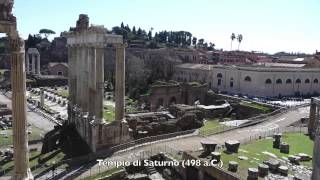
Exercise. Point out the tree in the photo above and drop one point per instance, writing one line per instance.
(46, 32)
(239, 38)
(122, 25)
(150, 35)
(194, 41)
(233, 36)
(200, 43)
(134, 30)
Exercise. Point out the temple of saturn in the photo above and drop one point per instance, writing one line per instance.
(33, 61)
(86, 84)
(314, 132)
(8, 26)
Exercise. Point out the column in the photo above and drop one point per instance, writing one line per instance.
(312, 117)
(27, 63)
(20, 137)
(33, 70)
(99, 84)
(41, 97)
(85, 80)
(120, 81)
(38, 64)
(92, 81)
(78, 73)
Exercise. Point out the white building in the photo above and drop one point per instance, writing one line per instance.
(253, 80)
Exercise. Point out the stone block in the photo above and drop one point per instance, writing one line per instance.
(284, 148)
(216, 156)
(233, 166)
(253, 174)
(283, 170)
(232, 146)
(273, 165)
(208, 146)
(263, 170)
(304, 157)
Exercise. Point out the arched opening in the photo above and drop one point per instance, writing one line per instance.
(298, 81)
(247, 78)
(219, 82)
(279, 81)
(315, 81)
(307, 81)
(288, 81)
(219, 75)
(268, 81)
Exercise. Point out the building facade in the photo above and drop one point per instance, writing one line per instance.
(58, 69)
(253, 81)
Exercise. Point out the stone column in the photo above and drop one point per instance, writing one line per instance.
(33, 65)
(99, 84)
(312, 117)
(85, 75)
(92, 80)
(78, 73)
(20, 137)
(120, 81)
(27, 63)
(38, 64)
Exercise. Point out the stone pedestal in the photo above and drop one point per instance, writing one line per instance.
(253, 174)
(263, 170)
(283, 170)
(208, 146)
(232, 146)
(233, 166)
(284, 148)
(215, 156)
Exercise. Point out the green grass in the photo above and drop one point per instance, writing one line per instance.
(210, 126)
(261, 107)
(36, 134)
(109, 113)
(104, 174)
(64, 93)
(299, 143)
(34, 159)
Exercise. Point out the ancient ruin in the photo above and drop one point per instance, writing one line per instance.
(314, 131)
(8, 25)
(86, 79)
(33, 67)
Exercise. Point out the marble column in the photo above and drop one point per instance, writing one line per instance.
(27, 64)
(20, 137)
(99, 84)
(33, 64)
(78, 75)
(38, 64)
(312, 117)
(120, 82)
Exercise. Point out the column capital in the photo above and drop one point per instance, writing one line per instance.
(16, 44)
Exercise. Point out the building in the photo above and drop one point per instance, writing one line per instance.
(265, 81)
(58, 69)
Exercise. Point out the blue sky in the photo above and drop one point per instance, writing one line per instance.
(266, 25)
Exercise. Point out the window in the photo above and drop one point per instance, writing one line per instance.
(231, 82)
(288, 81)
(60, 73)
(219, 75)
(268, 81)
(279, 81)
(247, 78)
(307, 81)
(315, 81)
(298, 81)
(219, 82)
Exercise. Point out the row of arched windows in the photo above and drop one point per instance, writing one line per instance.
(289, 81)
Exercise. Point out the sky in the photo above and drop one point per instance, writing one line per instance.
(266, 25)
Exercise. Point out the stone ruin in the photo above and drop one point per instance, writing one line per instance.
(86, 78)
(178, 118)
